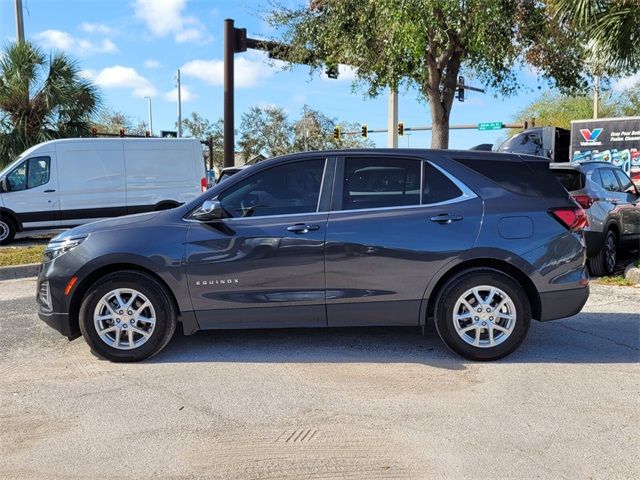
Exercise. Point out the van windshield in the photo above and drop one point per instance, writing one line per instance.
(11, 166)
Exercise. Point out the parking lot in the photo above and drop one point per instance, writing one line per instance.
(340, 403)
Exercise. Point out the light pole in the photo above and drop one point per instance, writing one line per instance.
(19, 21)
(179, 105)
(150, 118)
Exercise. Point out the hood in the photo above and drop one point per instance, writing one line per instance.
(108, 224)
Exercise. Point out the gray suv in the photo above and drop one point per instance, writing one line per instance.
(473, 243)
(611, 202)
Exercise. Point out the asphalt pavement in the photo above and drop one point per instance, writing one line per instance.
(315, 404)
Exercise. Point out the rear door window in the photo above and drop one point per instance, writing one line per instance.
(608, 180)
(625, 181)
(437, 187)
(380, 182)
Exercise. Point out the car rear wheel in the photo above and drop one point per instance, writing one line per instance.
(7, 230)
(604, 263)
(482, 314)
(127, 316)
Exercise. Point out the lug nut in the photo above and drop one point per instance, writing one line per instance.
(490, 318)
(476, 318)
(129, 312)
(131, 321)
(124, 326)
(488, 309)
(479, 309)
(484, 324)
(117, 320)
(121, 312)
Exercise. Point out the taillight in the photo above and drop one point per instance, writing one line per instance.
(573, 218)
(203, 184)
(585, 201)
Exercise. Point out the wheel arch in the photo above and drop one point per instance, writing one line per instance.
(506, 268)
(13, 216)
(82, 288)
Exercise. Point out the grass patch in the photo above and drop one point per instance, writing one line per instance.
(615, 280)
(21, 255)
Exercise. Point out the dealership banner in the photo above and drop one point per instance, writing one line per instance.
(615, 140)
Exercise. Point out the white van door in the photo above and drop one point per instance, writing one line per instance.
(30, 190)
(92, 180)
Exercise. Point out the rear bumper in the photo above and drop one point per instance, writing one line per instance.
(562, 303)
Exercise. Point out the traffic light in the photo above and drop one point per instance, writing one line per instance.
(364, 131)
(336, 133)
(122, 132)
(94, 132)
(400, 129)
(460, 89)
(332, 71)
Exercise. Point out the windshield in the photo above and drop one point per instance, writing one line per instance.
(10, 167)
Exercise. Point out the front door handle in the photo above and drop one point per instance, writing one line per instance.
(445, 218)
(302, 228)
(49, 191)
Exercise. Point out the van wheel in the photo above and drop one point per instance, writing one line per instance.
(604, 263)
(7, 230)
(127, 316)
(482, 315)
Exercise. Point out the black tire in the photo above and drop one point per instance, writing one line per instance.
(165, 313)
(604, 263)
(7, 229)
(455, 288)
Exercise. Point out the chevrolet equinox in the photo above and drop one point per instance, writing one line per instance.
(473, 243)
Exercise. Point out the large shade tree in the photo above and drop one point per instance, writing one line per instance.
(427, 44)
(42, 97)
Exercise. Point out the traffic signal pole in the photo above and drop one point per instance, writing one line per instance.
(392, 119)
(228, 121)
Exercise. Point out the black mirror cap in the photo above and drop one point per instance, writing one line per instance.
(210, 210)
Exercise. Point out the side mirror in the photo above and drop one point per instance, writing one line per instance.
(208, 211)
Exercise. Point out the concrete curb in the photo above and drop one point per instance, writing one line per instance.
(632, 273)
(19, 271)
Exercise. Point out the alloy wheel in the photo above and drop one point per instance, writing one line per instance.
(124, 319)
(4, 231)
(484, 316)
(611, 253)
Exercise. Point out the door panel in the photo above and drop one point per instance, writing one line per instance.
(34, 195)
(380, 260)
(263, 266)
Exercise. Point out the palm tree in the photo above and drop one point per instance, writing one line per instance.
(42, 97)
(611, 25)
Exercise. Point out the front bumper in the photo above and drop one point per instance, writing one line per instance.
(59, 322)
(562, 303)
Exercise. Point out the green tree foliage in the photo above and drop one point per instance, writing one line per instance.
(268, 130)
(111, 121)
(197, 126)
(42, 97)
(428, 43)
(612, 27)
(557, 110)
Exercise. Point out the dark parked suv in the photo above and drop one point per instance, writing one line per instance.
(475, 243)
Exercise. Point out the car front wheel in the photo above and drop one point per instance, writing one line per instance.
(482, 314)
(127, 316)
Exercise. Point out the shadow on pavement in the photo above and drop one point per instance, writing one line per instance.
(585, 338)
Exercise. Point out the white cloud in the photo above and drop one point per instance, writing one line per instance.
(57, 39)
(124, 78)
(166, 17)
(151, 64)
(249, 70)
(101, 28)
(626, 82)
(186, 95)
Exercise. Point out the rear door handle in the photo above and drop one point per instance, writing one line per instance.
(446, 218)
(302, 228)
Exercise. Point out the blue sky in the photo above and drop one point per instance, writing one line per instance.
(132, 48)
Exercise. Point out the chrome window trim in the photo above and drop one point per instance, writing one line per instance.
(324, 175)
(235, 219)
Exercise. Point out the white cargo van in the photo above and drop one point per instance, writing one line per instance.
(67, 182)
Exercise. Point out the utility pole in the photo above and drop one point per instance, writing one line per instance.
(392, 119)
(150, 118)
(19, 21)
(179, 105)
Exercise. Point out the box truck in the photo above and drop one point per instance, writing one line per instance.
(68, 182)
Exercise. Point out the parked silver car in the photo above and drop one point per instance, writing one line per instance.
(612, 204)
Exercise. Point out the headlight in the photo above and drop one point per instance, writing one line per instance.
(58, 247)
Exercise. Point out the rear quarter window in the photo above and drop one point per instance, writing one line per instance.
(530, 178)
